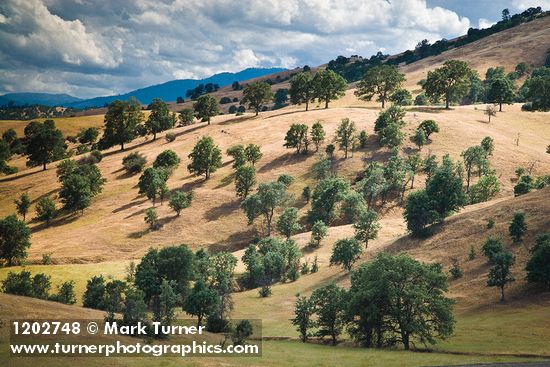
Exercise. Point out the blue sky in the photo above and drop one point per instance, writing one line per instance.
(98, 47)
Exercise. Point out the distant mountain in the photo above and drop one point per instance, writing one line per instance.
(169, 91)
(46, 99)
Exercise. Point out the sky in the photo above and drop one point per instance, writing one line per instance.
(89, 48)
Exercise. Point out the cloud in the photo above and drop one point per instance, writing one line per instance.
(485, 23)
(525, 4)
(89, 47)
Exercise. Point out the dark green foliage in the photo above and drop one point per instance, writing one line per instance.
(517, 227)
(322, 168)
(317, 134)
(163, 308)
(362, 139)
(472, 253)
(256, 95)
(65, 293)
(491, 247)
(88, 136)
(301, 89)
(23, 204)
(328, 86)
(500, 273)
(402, 97)
(225, 100)
(264, 202)
(180, 200)
(455, 270)
(168, 160)
(201, 301)
(205, 108)
(450, 82)
(444, 188)
(160, 118)
(265, 291)
(169, 137)
(374, 183)
(345, 136)
(95, 293)
(238, 154)
(151, 218)
(345, 252)
(80, 185)
(186, 117)
(303, 311)
(394, 114)
(253, 153)
(20, 284)
(14, 240)
(206, 157)
(318, 231)
(366, 227)
(134, 162)
(536, 89)
(383, 81)
(429, 127)
(419, 138)
(288, 224)
(524, 185)
(419, 213)
(421, 100)
(242, 331)
(326, 195)
(488, 144)
(395, 298)
(44, 143)
(501, 90)
(352, 205)
(245, 179)
(306, 194)
(329, 306)
(173, 263)
(484, 189)
(45, 209)
(281, 97)
(490, 223)
(330, 150)
(429, 165)
(297, 138)
(538, 265)
(285, 179)
(121, 123)
(232, 109)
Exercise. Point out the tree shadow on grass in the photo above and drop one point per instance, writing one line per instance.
(226, 180)
(284, 160)
(138, 234)
(129, 205)
(63, 217)
(222, 210)
(235, 242)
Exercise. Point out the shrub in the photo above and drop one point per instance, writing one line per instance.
(134, 162)
(455, 270)
(490, 223)
(170, 137)
(265, 291)
(306, 194)
(65, 293)
(242, 331)
(167, 159)
(472, 253)
(180, 200)
(538, 265)
(47, 259)
(491, 247)
(45, 210)
(421, 100)
(517, 227)
(151, 218)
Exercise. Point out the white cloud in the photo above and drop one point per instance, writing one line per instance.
(524, 4)
(121, 45)
(485, 23)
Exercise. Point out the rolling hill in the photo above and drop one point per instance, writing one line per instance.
(111, 233)
(45, 99)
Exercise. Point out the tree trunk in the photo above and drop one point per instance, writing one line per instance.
(121, 146)
(406, 344)
(502, 294)
(412, 182)
(256, 112)
(154, 136)
(383, 100)
(326, 103)
(307, 104)
(44, 166)
(500, 108)
(208, 120)
(447, 103)
(199, 320)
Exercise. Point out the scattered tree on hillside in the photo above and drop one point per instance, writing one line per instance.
(490, 111)
(288, 224)
(297, 138)
(395, 298)
(414, 165)
(475, 160)
(303, 311)
(329, 306)
(328, 86)
(488, 144)
(317, 134)
(238, 154)
(206, 157)
(419, 213)
(326, 195)
(500, 273)
(444, 188)
(152, 183)
(501, 91)
(402, 97)
(44, 143)
(449, 82)
(45, 210)
(23, 205)
(134, 162)
(382, 81)
(345, 252)
(429, 127)
(253, 153)
(186, 117)
(256, 95)
(301, 89)
(366, 227)
(536, 87)
(538, 265)
(14, 240)
(269, 197)
(206, 107)
(281, 97)
(345, 135)
(160, 118)
(245, 179)
(168, 160)
(80, 185)
(517, 227)
(121, 123)
(374, 183)
(419, 138)
(180, 200)
(319, 231)
(201, 301)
